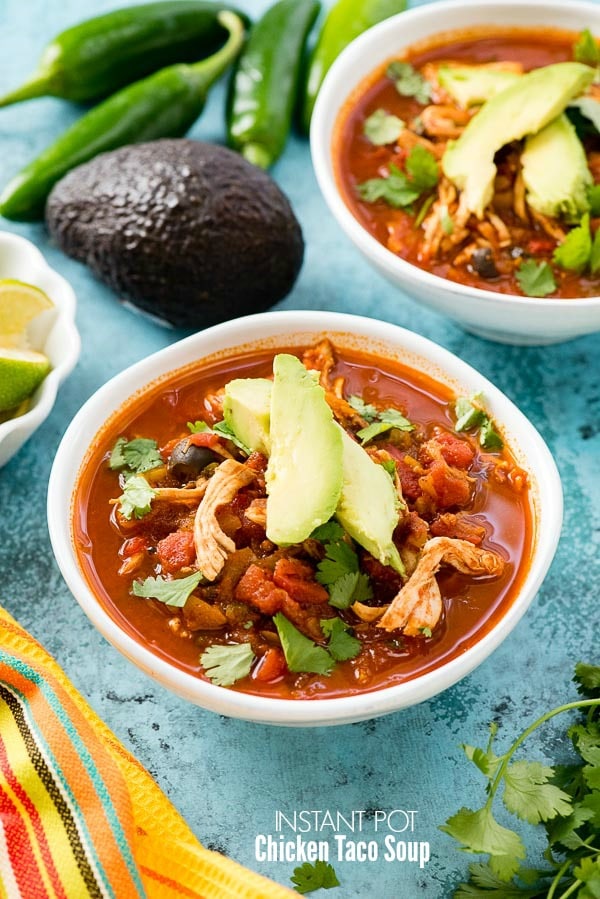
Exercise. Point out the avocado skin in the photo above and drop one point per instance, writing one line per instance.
(187, 231)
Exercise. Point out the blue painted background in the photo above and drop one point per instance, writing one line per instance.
(228, 777)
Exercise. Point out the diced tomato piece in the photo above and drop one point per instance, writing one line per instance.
(297, 578)
(132, 546)
(256, 588)
(306, 618)
(257, 462)
(271, 667)
(541, 245)
(176, 551)
(455, 450)
(448, 486)
(409, 478)
(204, 438)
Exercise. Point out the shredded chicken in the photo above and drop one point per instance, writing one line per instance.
(418, 605)
(320, 358)
(550, 226)
(191, 495)
(444, 121)
(257, 511)
(367, 613)
(212, 544)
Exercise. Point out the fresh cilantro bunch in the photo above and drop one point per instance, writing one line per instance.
(580, 252)
(564, 798)
(383, 128)
(339, 570)
(408, 82)
(471, 417)
(221, 429)
(400, 189)
(379, 422)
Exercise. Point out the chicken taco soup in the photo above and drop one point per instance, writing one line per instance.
(303, 524)
(476, 156)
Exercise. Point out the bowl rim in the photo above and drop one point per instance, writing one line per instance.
(64, 300)
(327, 110)
(251, 330)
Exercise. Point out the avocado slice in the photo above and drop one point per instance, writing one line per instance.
(304, 474)
(247, 411)
(473, 85)
(368, 506)
(521, 109)
(556, 172)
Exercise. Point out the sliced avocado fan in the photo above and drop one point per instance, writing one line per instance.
(556, 172)
(524, 108)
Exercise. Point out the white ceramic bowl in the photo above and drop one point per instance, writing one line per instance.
(508, 319)
(298, 328)
(54, 334)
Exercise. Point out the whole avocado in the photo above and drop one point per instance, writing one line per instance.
(187, 231)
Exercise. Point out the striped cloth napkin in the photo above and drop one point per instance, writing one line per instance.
(79, 816)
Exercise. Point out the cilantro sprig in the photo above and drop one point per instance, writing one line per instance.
(408, 82)
(136, 499)
(136, 455)
(339, 569)
(171, 591)
(222, 429)
(586, 49)
(565, 799)
(536, 279)
(382, 128)
(470, 416)
(224, 665)
(314, 876)
(400, 189)
(303, 655)
(379, 422)
(579, 251)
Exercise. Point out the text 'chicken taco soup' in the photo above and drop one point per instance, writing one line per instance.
(303, 524)
(476, 156)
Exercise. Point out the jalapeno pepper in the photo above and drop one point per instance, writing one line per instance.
(264, 87)
(165, 104)
(345, 21)
(99, 56)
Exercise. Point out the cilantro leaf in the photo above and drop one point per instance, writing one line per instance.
(341, 645)
(594, 194)
(423, 169)
(395, 189)
(536, 279)
(349, 588)
(223, 430)
(136, 499)
(309, 877)
(480, 832)
(365, 410)
(586, 49)
(471, 417)
(331, 531)
(382, 128)
(408, 82)
(574, 253)
(484, 883)
(340, 559)
(486, 760)
(175, 592)
(224, 665)
(528, 794)
(137, 455)
(588, 679)
(387, 420)
(390, 467)
(301, 654)
(198, 427)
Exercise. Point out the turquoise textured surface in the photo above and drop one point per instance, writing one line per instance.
(229, 778)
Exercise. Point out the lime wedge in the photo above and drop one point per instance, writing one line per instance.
(21, 372)
(20, 303)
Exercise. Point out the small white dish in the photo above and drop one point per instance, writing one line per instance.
(55, 335)
(496, 316)
(273, 330)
